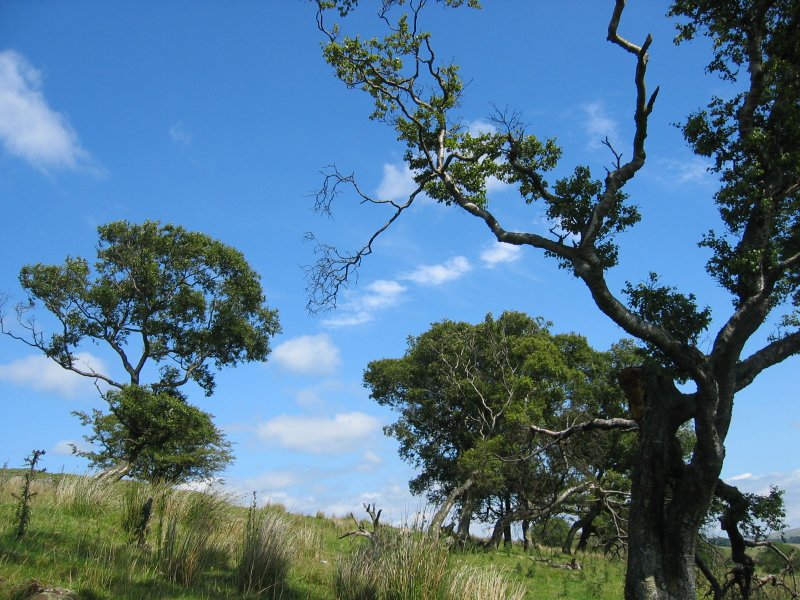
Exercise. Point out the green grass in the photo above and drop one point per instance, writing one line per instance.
(201, 547)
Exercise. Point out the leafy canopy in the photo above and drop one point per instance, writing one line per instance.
(157, 293)
(159, 435)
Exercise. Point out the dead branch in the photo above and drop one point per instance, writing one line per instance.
(360, 529)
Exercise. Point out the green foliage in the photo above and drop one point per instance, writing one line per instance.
(467, 395)
(550, 532)
(177, 298)
(752, 138)
(161, 437)
(770, 561)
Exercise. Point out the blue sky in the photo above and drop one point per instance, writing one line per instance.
(220, 116)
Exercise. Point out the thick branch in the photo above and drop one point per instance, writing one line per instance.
(772, 354)
(441, 514)
(593, 425)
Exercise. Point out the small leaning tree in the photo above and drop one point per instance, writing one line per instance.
(753, 140)
(173, 305)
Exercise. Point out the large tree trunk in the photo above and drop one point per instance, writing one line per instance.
(468, 506)
(668, 498)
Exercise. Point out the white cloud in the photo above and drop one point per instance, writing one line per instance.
(29, 128)
(599, 125)
(308, 355)
(64, 447)
(180, 135)
(498, 252)
(343, 433)
(369, 462)
(397, 183)
(44, 375)
(691, 170)
(480, 127)
(760, 484)
(360, 307)
(275, 480)
(451, 269)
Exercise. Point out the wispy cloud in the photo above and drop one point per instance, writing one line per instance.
(598, 125)
(397, 183)
(690, 170)
(29, 128)
(450, 270)
(43, 375)
(361, 306)
(369, 462)
(64, 447)
(344, 432)
(760, 484)
(498, 253)
(480, 127)
(308, 355)
(180, 135)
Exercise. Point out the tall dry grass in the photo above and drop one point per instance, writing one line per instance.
(472, 583)
(393, 565)
(84, 495)
(266, 554)
(190, 526)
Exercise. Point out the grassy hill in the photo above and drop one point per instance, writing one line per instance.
(82, 536)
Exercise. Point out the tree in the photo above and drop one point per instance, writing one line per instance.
(753, 139)
(158, 295)
(467, 396)
(159, 435)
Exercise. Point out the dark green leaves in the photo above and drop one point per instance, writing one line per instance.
(159, 435)
(664, 306)
(157, 294)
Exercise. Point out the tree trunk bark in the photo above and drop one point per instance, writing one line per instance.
(438, 518)
(465, 518)
(584, 524)
(669, 498)
(525, 525)
(507, 528)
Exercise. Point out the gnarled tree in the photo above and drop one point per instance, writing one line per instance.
(753, 139)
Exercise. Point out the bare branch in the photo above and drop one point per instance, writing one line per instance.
(360, 529)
